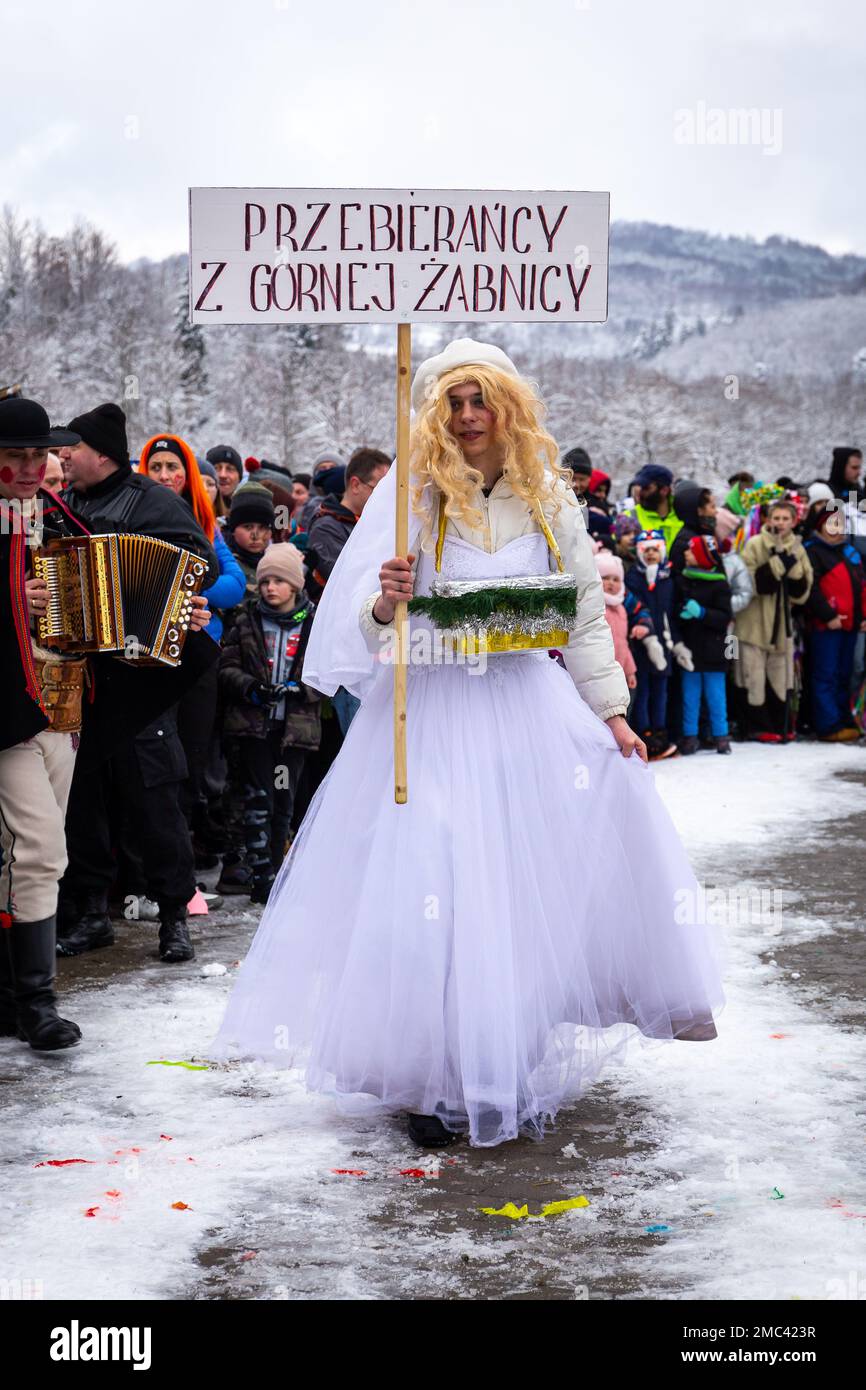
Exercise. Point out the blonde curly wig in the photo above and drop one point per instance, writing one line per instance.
(530, 456)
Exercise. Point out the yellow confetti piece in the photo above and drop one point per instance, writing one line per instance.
(549, 1209)
(508, 1210)
(553, 1208)
(190, 1066)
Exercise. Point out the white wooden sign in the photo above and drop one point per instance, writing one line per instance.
(339, 255)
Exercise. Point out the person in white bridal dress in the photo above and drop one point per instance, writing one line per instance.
(473, 957)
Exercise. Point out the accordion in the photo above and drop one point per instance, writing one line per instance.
(118, 593)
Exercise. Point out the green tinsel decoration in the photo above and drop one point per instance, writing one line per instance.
(480, 606)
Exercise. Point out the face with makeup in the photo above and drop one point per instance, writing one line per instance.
(210, 487)
(167, 469)
(22, 472)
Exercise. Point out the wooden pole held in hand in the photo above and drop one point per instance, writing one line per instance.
(401, 617)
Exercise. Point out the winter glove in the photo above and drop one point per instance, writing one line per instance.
(262, 694)
(683, 656)
(776, 566)
(788, 560)
(692, 609)
(655, 651)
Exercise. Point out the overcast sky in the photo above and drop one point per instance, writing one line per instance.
(111, 110)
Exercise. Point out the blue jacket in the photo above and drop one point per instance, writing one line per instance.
(227, 591)
(659, 600)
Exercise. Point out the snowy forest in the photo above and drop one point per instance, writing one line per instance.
(719, 354)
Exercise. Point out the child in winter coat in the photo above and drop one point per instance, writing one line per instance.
(612, 576)
(703, 612)
(835, 610)
(650, 580)
(764, 665)
(272, 719)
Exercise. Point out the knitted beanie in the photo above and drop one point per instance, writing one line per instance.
(104, 429)
(609, 565)
(264, 472)
(646, 540)
(224, 453)
(705, 551)
(329, 456)
(282, 561)
(250, 503)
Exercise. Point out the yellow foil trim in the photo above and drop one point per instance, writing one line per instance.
(548, 534)
(440, 541)
(472, 644)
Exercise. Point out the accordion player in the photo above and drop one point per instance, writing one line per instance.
(118, 593)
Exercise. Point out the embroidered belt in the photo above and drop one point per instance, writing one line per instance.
(62, 684)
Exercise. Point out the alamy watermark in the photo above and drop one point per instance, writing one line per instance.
(733, 125)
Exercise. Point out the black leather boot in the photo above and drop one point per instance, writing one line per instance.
(33, 956)
(260, 887)
(235, 877)
(8, 1007)
(428, 1132)
(174, 943)
(92, 929)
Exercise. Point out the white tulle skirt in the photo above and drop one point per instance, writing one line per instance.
(479, 952)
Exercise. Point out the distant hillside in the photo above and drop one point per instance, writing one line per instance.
(669, 285)
(819, 339)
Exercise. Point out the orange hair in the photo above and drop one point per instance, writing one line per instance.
(193, 488)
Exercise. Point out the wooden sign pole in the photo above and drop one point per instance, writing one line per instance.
(401, 617)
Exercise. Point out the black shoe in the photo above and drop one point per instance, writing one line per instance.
(8, 1007)
(660, 746)
(235, 878)
(174, 943)
(723, 744)
(688, 745)
(92, 930)
(32, 954)
(428, 1132)
(260, 889)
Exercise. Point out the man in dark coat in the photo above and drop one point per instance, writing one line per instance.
(107, 496)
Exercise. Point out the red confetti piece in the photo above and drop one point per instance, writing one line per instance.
(61, 1162)
(351, 1172)
(165, 1136)
(91, 1211)
(250, 1255)
(780, 1035)
(114, 1193)
(839, 1205)
(413, 1172)
(180, 1206)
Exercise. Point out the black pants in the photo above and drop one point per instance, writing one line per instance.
(133, 799)
(317, 762)
(270, 780)
(196, 715)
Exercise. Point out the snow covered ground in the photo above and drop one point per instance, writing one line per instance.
(726, 1170)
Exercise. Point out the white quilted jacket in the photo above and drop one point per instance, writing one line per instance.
(589, 657)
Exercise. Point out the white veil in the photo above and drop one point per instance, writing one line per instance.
(337, 651)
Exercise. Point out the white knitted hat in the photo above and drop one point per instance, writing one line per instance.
(820, 492)
(463, 352)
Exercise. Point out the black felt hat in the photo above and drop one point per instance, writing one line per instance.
(25, 425)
